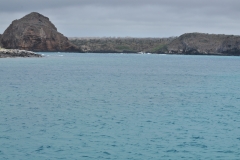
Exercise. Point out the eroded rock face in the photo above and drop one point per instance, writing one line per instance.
(36, 33)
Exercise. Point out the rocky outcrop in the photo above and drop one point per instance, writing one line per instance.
(36, 33)
(200, 43)
(4, 53)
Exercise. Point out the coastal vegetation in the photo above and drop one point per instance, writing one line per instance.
(122, 45)
(162, 48)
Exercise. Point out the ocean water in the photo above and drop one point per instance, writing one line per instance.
(119, 106)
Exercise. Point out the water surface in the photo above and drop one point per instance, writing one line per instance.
(119, 106)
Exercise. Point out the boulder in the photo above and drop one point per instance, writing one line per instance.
(36, 32)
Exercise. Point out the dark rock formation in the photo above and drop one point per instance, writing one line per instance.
(36, 33)
(4, 53)
(200, 43)
(230, 46)
(0, 40)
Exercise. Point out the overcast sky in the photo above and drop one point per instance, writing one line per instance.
(133, 18)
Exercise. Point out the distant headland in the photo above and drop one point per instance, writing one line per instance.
(35, 32)
(188, 43)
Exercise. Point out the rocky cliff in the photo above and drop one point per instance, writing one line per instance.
(35, 32)
(200, 43)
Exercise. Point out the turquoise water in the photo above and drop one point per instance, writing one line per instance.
(119, 106)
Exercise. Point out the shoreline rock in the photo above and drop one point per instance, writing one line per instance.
(11, 53)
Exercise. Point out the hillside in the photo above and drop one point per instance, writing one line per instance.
(122, 45)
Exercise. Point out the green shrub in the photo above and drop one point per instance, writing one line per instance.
(160, 48)
(122, 47)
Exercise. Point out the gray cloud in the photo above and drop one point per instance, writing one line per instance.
(137, 18)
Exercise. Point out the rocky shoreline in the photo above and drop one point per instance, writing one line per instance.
(11, 53)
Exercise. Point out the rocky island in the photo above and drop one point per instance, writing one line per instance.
(35, 32)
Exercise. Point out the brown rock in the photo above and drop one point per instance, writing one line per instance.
(36, 33)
